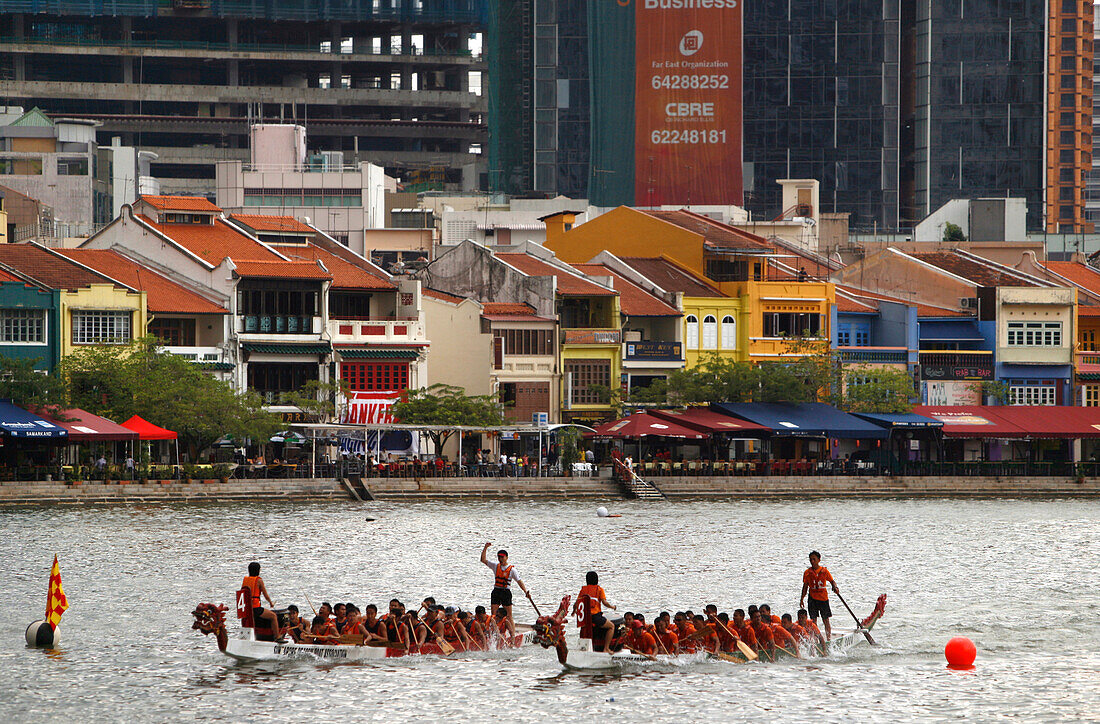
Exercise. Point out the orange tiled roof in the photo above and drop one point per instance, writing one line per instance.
(507, 308)
(181, 203)
(212, 243)
(982, 275)
(923, 310)
(633, 300)
(280, 269)
(444, 296)
(48, 268)
(713, 232)
(345, 274)
(1085, 311)
(262, 222)
(1080, 274)
(162, 294)
(569, 285)
(670, 277)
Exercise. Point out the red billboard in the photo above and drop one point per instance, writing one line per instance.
(687, 102)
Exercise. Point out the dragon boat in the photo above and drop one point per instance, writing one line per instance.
(257, 644)
(550, 633)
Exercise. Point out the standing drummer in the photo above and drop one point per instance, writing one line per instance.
(503, 574)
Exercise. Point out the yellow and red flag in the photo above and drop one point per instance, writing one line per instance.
(56, 602)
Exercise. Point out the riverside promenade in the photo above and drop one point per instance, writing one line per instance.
(23, 493)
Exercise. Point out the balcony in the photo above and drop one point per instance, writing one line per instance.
(376, 330)
(591, 336)
(196, 354)
(956, 365)
(275, 324)
(653, 351)
(1088, 363)
(873, 355)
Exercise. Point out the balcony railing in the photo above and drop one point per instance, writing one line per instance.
(196, 354)
(275, 324)
(956, 365)
(591, 336)
(1088, 361)
(653, 351)
(874, 355)
(388, 327)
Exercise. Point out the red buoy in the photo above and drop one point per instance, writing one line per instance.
(960, 652)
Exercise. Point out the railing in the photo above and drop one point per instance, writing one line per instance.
(384, 327)
(655, 351)
(245, 47)
(591, 336)
(196, 354)
(817, 468)
(956, 365)
(875, 355)
(1088, 361)
(275, 324)
(454, 11)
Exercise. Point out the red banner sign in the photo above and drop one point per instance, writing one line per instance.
(687, 102)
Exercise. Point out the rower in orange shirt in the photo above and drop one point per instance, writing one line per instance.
(641, 641)
(814, 582)
(767, 615)
(709, 640)
(784, 639)
(800, 634)
(812, 631)
(726, 635)
(741, 627)
(602, 629)
(667, 636)
(765, 639)
(685, 630)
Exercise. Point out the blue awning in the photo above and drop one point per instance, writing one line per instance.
(908, 420)
(17, 422)
(810, 419)
(964, 330)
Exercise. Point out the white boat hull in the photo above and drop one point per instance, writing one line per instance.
(249, 649)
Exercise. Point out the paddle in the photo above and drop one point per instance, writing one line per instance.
(533, 604)
(859, 626)
(743, 647)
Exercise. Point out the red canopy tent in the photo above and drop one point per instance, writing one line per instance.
(83, 426)
(644, 424)
(148, 431)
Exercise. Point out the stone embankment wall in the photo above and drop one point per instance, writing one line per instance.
(52, 493)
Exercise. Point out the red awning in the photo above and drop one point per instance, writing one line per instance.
(147, 430)
(644, 424)
(83, 426)
(1053, 421)
(707, 420)
(968, 421)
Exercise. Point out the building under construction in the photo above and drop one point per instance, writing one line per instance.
(383, 81)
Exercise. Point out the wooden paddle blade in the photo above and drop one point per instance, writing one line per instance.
(445, 647)
(867, 633)
(728, 657)
(745, 649)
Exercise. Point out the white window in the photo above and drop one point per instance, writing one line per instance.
(710, 332)
(1034, 334)
(692, 336)
(26, 326)
(93, 327)
(729, 333)
(1031, 394)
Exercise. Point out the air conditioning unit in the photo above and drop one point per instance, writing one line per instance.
(333, 160)
(968, 302)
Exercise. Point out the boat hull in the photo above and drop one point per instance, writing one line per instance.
(249, 649)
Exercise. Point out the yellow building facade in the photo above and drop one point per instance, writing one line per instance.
(591, 357)
(101, 314)
(769, 311)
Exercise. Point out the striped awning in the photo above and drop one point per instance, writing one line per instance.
(286, 347)
(375, 353)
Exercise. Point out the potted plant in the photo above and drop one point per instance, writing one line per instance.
(72, 476)
(189, 472)
(221, 472)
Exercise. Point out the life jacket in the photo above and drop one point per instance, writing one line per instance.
(503, 576)
(252, 583)
(450, 632)
(594, 594)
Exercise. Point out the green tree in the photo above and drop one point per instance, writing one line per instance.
(318, 398)
(167, 390)
(878, 390)
(27, 387)
(442, 405)
(953, 232)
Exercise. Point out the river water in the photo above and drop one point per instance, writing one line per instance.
(1017, 576)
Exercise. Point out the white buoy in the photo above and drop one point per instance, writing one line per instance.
(41, 635)
(602, 512)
